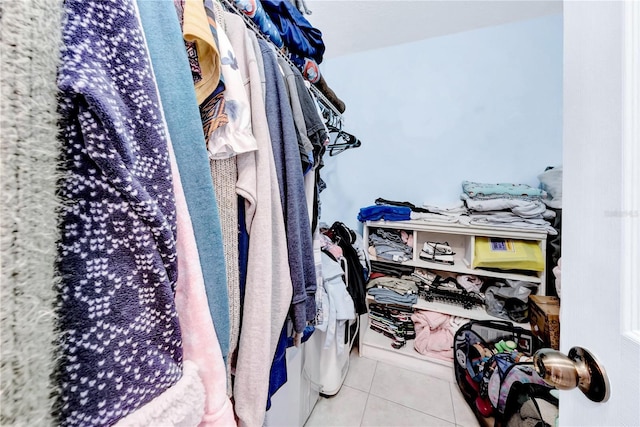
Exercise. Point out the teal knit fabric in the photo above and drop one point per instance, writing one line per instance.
(173, 76)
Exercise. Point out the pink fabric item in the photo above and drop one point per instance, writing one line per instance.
(433, 334)
(327, 244)
(407, 238)
(199, 339)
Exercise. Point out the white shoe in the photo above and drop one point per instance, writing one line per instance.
(437, 252)
(436, 248)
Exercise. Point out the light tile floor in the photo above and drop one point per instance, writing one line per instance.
(379, 394)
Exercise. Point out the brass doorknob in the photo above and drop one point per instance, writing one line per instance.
(578, 369)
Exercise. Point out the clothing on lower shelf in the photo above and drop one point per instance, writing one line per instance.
(435, 332)
(392, 321)
(508, 299)
(399, 285)
(393, 291)
(450, 290)
(392, 297)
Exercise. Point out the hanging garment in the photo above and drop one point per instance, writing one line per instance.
(224, 172)
(182, 404)
(170, 67)
(120, 339)
(321, 316)
(316, 130)
(236, 136)
(304, 144)
(268, 288)
(299, 36)
(278, 369)
(292, 195)
(195, 27)
(253, 9)
(340, 304)
(205, 400)
(317, 133)
(357, 274)
(326, 90)
(30, 38)
(201, 43)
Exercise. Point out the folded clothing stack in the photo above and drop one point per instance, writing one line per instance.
(507, 205)
(392, 290)
(428, 213)
(391, 245)
(386, 212)
(380, 268)
(392, 321)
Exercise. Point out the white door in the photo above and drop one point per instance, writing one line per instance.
(601, 242)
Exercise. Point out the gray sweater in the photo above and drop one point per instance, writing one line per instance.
(268, 288)
(292, 195)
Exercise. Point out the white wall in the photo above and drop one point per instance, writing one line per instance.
(599, 127)
(482, 105)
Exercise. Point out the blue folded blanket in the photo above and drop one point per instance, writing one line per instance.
(387, 212)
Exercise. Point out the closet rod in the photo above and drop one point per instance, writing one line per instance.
(231, 6)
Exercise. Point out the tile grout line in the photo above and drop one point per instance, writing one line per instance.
(418, 410)
(449, 384)
(375, 369)
(453, 406)
(454, 423)
(364, 410)
(455, 413)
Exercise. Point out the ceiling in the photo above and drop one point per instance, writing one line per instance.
(350, 26)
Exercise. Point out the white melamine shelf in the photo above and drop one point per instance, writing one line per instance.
(476, 313)
(460, 267)
(375, 345)
(461, 238)
(459, 228)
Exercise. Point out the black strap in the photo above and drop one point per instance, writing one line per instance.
(381, 201)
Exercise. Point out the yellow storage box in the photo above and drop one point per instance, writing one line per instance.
(507, 254)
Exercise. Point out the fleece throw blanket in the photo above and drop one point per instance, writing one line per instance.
(29, 45)
(120, 340)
